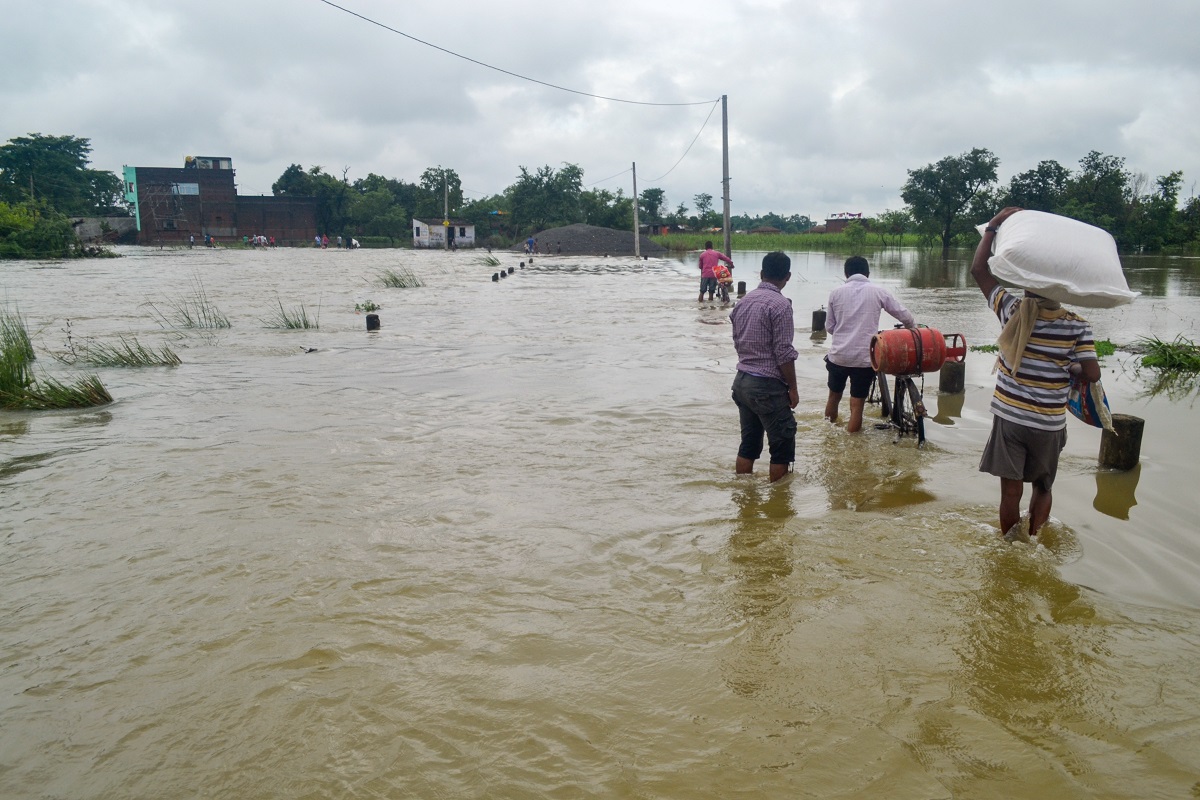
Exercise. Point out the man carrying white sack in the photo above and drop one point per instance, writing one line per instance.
(1041, 347)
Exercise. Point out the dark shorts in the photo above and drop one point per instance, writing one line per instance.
(708, 285)
(1023, 454)
(860, 379)
(764, 407)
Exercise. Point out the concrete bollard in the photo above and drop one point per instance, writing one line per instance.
(496, 276)
(953, 377)
(1122, 449)
(503, 274)
(510, 270)
(522, 265)
(741, 288)
(819, 320)
(372, 322)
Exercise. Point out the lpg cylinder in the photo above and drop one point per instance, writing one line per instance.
(905, 351)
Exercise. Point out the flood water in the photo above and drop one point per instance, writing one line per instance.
(496, 549)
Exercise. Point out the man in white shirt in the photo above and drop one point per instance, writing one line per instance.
(852, 318)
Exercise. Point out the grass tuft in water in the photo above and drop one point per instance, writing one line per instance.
(49, 393)
(399, 279)
(1103, 348)
(490, 261)
(293, 319)
(192, 311)
(19, 389)
(128, 353)
(16, 356)
(1180, 355)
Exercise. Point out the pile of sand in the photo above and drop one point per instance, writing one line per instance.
(589, 240)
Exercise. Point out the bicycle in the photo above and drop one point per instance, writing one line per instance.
(903, 406)
(908, 354)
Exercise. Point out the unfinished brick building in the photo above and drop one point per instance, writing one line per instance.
(173, 205)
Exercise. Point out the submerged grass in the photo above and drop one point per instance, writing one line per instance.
(490, 261)
(128, 353)
(192, 311)
(293, 319)
(18, 387)
(399, 279)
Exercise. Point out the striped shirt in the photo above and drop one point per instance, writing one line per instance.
(763, 330)
(1036, 396)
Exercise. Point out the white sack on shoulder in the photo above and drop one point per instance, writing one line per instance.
(1059, 258)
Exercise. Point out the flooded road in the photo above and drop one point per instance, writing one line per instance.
(496, 549)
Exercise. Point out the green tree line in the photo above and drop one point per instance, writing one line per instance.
(946, 199)
(44, 180)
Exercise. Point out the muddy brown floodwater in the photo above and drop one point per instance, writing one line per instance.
(496, 549)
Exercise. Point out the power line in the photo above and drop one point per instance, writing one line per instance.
(609, 178)
(498, 69)
(689, 147)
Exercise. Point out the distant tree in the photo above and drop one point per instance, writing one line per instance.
(334, 196)
(32, 230)
(891, 226)
(442, 188)
(606, 209)
(546, 198)
(938, 195)
(856, 233)
(705, 216)
(1154, 221)
(651, 204)
(797, 223)
(678, 216)
(1099, 193)
(491, 218)
(1189, 218)
(294, 182)
(1040, 189)
(53, 170)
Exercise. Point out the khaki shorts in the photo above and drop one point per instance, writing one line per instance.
(1022, 453)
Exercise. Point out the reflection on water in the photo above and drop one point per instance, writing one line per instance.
(949, 407)
(760, 548)
(871, 470)
(1115, 491)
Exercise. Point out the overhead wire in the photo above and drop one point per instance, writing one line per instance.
(367, 19)
(500, 69)
(689, 147)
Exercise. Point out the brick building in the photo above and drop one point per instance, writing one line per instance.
(172, 204)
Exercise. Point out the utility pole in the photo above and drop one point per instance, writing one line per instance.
(446, 209)
(725, 168)
(637, 237)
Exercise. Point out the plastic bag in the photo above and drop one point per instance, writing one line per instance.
(1059, 258)
(1087, 402)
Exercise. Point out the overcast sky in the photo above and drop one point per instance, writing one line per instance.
(829, 102)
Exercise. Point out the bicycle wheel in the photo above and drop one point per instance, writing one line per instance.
(885, 400)
(908, 410)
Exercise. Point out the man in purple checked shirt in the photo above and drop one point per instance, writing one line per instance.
(852, 319)
(764, 388)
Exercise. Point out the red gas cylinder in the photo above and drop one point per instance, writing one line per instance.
(905, 351)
